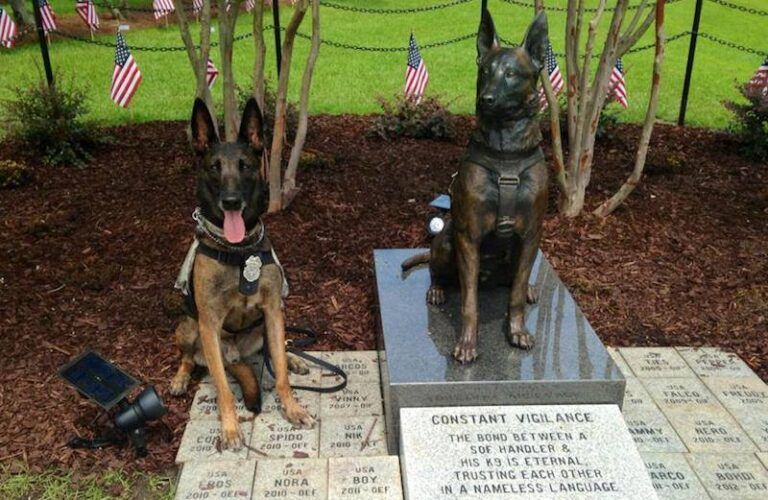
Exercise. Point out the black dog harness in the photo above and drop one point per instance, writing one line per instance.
(249, 262)
(508, 169)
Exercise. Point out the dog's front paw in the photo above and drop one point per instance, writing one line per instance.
(297, 365)
(520, 338)
(179, 384)
(253, 402)
(465, 351)
(435, 295)
(298, 416)
(532, 295)
(231, 434)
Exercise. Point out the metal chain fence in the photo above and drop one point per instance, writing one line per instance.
(636, 6)
(748, 10)
(384, 10)
(368, 48)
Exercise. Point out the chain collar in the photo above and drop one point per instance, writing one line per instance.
(212, 231)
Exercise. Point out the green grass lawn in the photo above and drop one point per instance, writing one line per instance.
(349, 81)
(59, 485)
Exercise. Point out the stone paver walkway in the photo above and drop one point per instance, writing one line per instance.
(699, 418)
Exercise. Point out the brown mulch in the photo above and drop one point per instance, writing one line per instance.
(89, 257)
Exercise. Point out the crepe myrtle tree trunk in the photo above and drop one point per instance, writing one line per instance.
(227, 20)
(289, 183)
(261, 50)
(587, 89)
(278, 132)
(198, 59)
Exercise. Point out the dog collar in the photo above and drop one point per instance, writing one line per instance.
(212, 231)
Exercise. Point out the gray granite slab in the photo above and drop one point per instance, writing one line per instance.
(275, 437)
(620, 363)
(360, 366)
(292, 479)
(681, 395)
(363, 478)
(763, 458)
(672, 477)
(202, 442)
(363, 398)
(568, 363)
(711, 432)
(713, 362)
(655, 362)
(727, 477)
(651, 431)
(352, 436)
(558, 451)
(216, 479)
(740, 394)
(308, 399)
(756, 427)
(635, 396)
(205, 406)
(746, 398)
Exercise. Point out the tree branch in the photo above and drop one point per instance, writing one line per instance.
(289, 185)
(260, 49)
(276, 156)
(608, 206)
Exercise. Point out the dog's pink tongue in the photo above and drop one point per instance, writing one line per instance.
(234, 226)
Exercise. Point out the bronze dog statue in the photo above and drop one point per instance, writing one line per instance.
(499, 195)
(232, 279)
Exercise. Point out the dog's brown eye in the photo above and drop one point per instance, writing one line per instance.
(510, 74)
(216, 166)
(243, 166)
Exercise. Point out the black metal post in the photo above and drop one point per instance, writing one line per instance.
(689, 64)
(483, 6)
(43, 42)
(276, 23)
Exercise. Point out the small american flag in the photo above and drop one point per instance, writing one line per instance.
(416, 74)
(126, 76)
(48, 17)
(87, 12)
(8, 30)
(211, 73)
(760, 78)
(197, 6)
(616, 85)
(162, 7)
(555, 78)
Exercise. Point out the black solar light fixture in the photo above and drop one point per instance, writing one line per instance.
(108, 386)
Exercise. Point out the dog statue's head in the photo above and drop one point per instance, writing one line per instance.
(231, 190)
(507, 76)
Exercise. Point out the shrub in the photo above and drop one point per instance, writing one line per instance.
(429, 119)
(270, 99)
(48, 123)
(751, 119)
(13, 174)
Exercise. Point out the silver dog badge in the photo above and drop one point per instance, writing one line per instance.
(252, 269)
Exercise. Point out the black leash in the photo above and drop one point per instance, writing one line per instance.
(310, 337)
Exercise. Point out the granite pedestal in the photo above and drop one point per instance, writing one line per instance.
(568, 364)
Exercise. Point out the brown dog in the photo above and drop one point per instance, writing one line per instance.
(236, 281)
(499, 196)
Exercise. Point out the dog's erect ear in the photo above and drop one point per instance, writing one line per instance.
(537, 39)
(252, 125)
(487, 39)
(203, 129)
